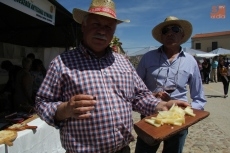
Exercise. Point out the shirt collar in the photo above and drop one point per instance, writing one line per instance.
(89, 54)
(181, 53)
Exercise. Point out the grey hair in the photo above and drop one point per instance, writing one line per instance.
(84, 21)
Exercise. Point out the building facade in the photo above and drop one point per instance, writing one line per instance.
(210, 41)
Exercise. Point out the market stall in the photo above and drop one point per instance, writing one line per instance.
(43, 138)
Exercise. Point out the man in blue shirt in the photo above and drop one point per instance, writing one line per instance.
(170, 67)
(214, 70)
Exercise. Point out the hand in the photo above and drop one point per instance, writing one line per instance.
(164, 106)
(78, 107)
(162, 95)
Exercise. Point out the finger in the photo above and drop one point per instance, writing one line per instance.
(182, 103)
(84, 103)
(164, 109)
(83, 110)
(82, 97)
(83, 116)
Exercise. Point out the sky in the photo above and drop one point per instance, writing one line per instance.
(146, 14)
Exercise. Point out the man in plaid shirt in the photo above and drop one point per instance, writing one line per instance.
(89, 93)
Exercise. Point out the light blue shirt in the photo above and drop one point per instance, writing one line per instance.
(214, 64)
(156, 71)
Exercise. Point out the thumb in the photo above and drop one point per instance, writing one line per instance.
(165, 109)
(182, 103)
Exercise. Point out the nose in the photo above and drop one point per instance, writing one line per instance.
(170, 32)
(101, 29)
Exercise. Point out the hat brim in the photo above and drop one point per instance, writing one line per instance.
(78, 16)
(185, 25)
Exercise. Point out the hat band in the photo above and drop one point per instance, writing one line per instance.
(102, 10)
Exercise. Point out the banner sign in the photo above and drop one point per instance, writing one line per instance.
(40, 9)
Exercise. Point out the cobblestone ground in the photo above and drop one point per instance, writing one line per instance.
(203, 137)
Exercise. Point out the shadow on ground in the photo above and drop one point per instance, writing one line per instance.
(214, 96)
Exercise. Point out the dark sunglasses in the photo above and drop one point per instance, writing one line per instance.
(175, 29)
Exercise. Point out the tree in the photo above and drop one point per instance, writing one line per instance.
(115, 44)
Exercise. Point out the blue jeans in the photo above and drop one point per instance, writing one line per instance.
(173, 144)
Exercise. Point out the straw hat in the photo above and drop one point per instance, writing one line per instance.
(100, 7)
(171, 20)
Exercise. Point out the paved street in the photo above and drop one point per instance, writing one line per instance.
(211, 135)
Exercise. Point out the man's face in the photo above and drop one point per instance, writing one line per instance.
(172, 35)
(98, 32)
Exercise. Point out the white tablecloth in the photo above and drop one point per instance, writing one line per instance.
(45, 139)
(2, 148)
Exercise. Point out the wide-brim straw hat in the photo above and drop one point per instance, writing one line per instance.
(100, 7)
(171, 20)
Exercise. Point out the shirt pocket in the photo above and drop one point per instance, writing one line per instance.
(123, 83)
(183, 78)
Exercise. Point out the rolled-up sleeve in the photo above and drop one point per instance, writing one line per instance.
(47, 98)
(145, 102)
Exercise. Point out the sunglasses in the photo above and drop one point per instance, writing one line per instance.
(175, 29)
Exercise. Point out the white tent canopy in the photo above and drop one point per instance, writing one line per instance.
(193, 52)
(198, 53)
(221, 51)
(206, 55)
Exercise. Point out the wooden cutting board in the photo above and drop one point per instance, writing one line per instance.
(152, 135)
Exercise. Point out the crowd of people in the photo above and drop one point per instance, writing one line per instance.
(23, 83)
(89, 93)
(215, 71)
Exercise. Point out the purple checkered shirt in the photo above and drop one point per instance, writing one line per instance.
(117, 87)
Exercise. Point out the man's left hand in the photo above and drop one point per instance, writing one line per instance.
(164, 106)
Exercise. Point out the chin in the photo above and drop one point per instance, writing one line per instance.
(173, 44)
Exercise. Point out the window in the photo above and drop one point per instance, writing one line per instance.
(214, 45)
(198, 46)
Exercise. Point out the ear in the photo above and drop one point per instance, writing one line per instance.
(183, 35)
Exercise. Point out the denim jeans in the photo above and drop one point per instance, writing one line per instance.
(173, 144)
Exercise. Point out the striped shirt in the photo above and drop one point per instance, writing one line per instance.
(118, 89)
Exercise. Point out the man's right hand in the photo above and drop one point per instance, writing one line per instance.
(79, 107)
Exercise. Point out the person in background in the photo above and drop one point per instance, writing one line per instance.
(9, 88)
(214, 77)
(200, 68)
(227, 62)
(206, 68)
(169, 66)
(89, 93)
(23, 88)
(225, 78)
(38, 72)
(31, 56)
